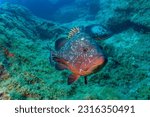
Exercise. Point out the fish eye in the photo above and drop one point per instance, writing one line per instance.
(85, 49)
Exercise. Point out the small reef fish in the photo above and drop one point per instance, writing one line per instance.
(79, 53)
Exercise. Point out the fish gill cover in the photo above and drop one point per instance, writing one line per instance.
(30, 28)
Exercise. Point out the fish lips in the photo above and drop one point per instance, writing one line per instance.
(99, 63)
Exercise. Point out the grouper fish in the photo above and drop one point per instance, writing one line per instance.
(79, 53)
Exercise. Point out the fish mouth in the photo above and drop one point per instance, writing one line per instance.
(102, 60)
(99, 63)
(95, 65)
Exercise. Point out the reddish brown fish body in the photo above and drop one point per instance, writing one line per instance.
(81, 55)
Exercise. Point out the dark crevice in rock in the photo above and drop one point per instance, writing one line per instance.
(118, 28)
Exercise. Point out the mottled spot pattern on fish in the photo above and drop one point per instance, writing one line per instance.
(80, 54)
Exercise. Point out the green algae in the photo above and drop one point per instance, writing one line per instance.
(126, 75)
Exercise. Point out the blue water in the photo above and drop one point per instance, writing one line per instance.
(42, 8)
(52, 9)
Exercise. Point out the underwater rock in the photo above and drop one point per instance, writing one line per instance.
(15, 10)
(1, 69)
(141, 12)
(116, 12)
(25, 36)
(4, 96)
(4, 75)
(15, 21)
(18, 22)
(48, 30)
(77, 9)
(98, 31)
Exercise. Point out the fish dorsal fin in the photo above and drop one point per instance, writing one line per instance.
(60, 43)
(60, 66)
(73, 31)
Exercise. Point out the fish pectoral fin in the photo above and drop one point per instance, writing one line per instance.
(60, 60)
(72, 78)
(60, 66)
(60, 43)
